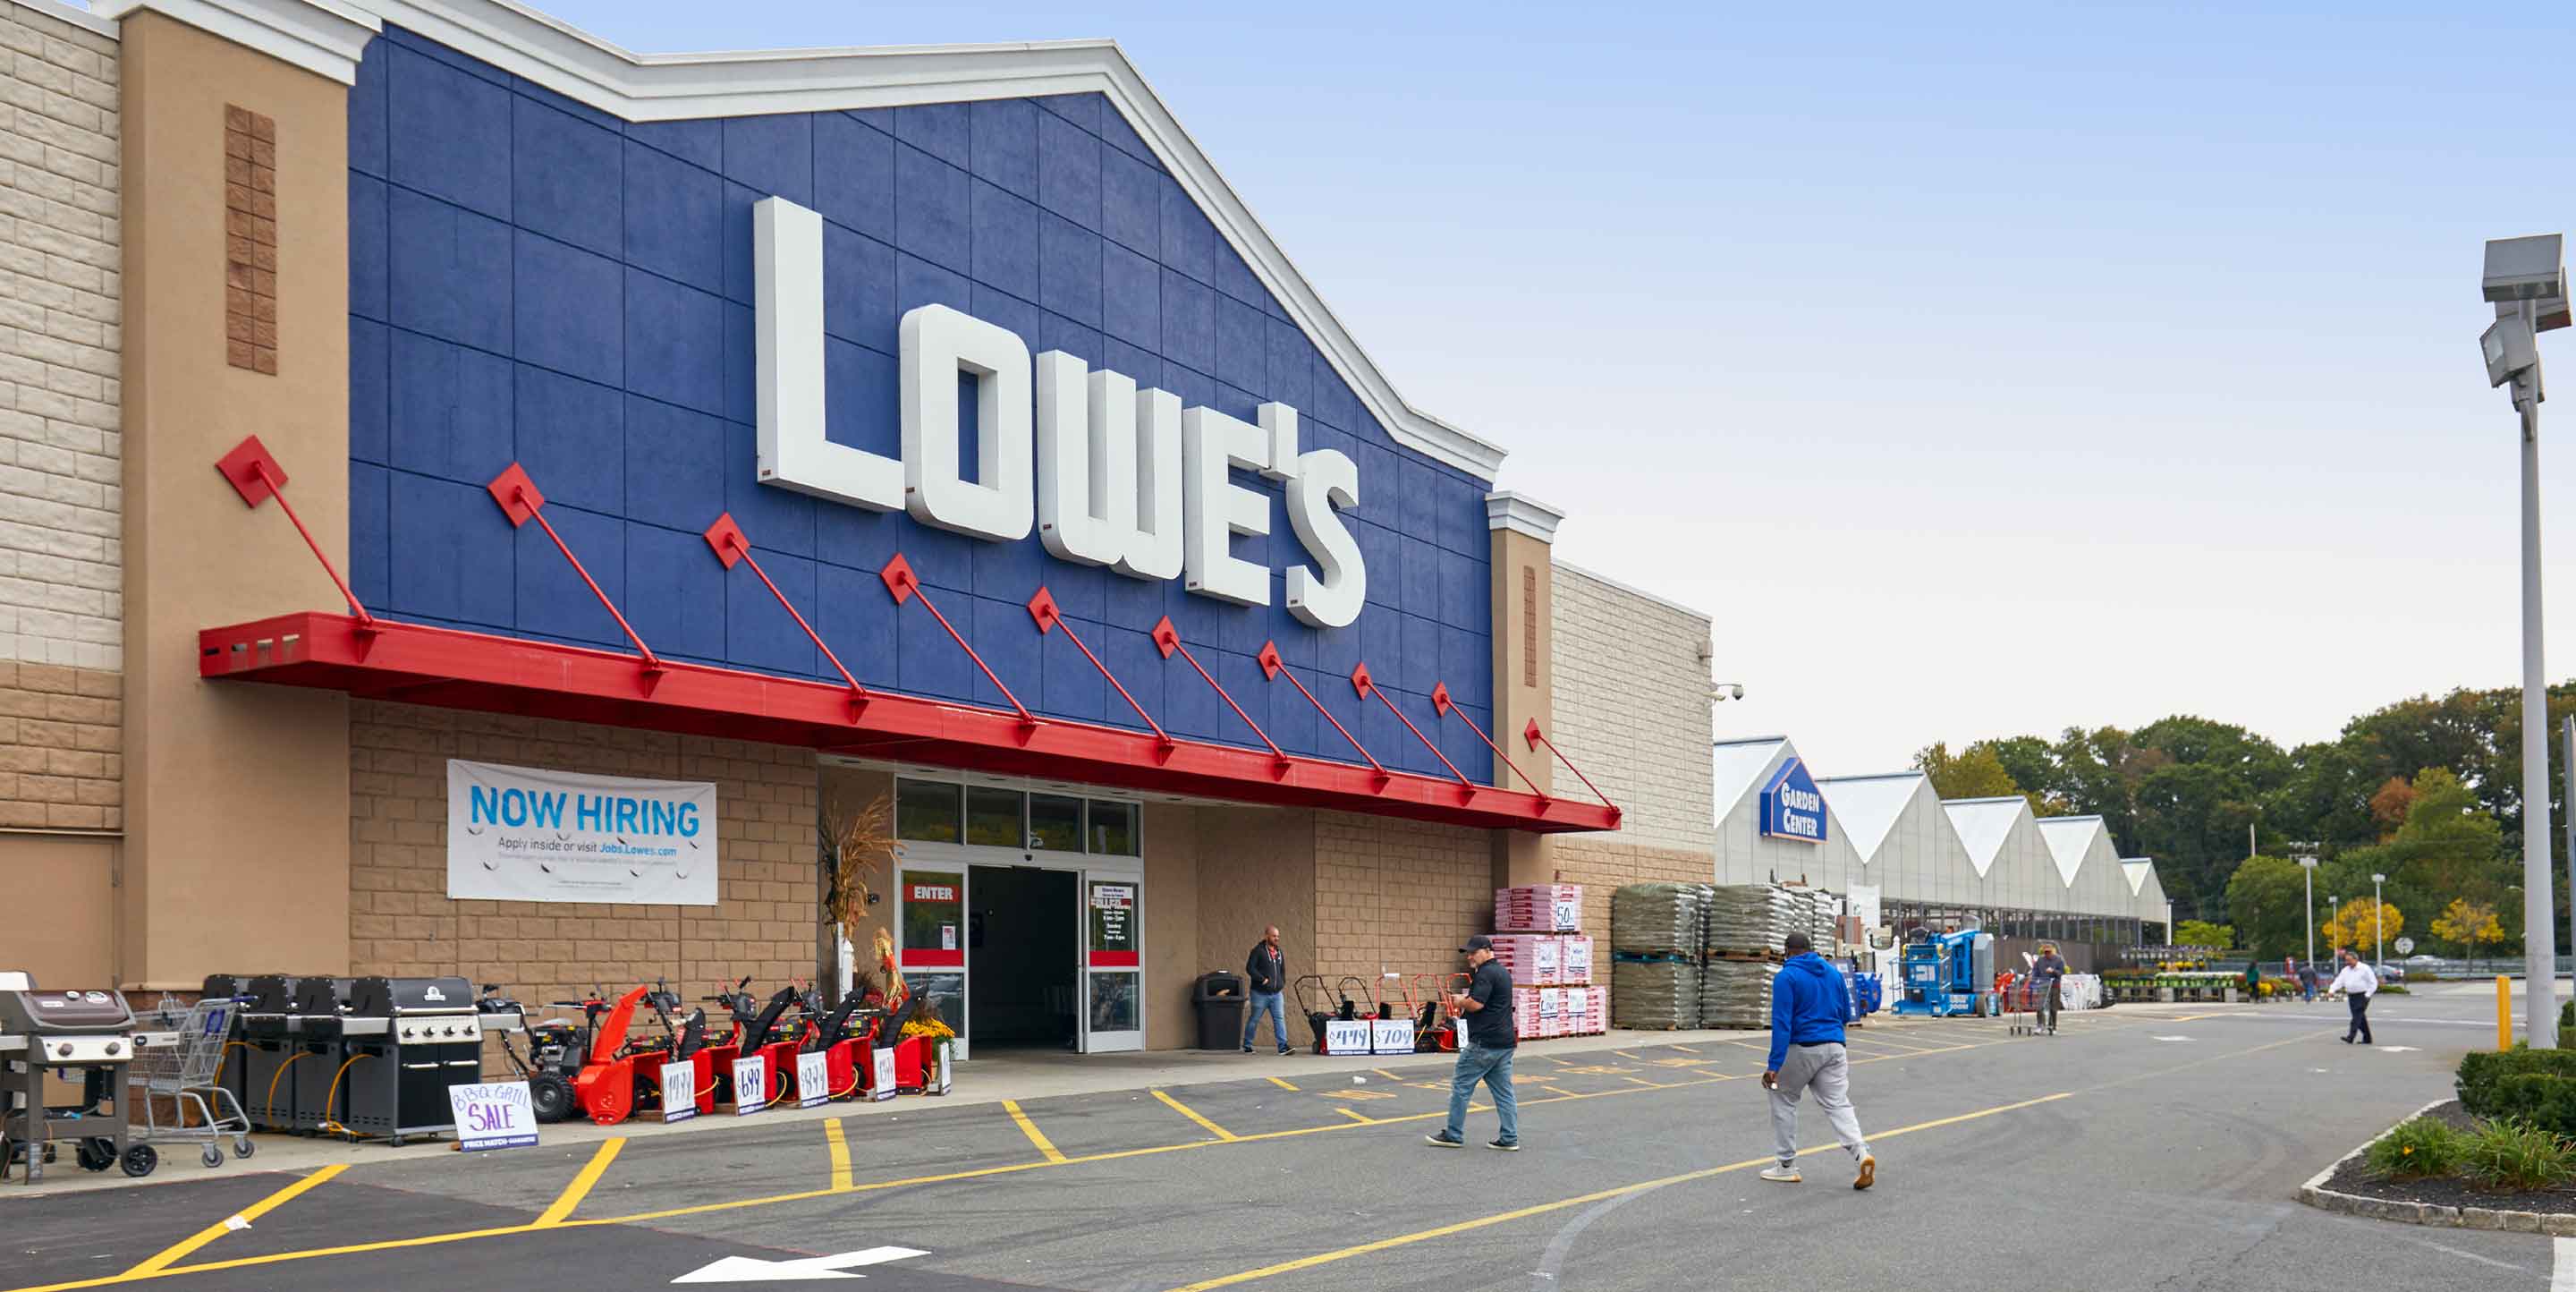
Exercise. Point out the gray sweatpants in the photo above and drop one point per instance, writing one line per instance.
(1826, 1070)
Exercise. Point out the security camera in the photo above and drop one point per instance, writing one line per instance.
(1724, 691)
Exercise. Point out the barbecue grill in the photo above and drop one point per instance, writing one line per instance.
(319, 1100)
(87, 1030)
(268, 1028)
(407, 1040)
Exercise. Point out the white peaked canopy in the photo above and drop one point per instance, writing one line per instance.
(2069, 837)
(1870, 805)
(1985, 826)
(1738, 766)
(2136, 870)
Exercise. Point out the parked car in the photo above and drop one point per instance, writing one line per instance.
(2424, 960)
(2391, 973)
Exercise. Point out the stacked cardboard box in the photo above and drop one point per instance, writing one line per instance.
(1539, 908)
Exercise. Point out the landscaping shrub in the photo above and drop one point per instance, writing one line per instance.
(2399, 989)
(2538, 1085)
(2508, 1153)
(2420, 1146)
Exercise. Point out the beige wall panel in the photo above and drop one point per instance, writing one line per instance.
(1171, 924)
(63, 888)
(229, 781)
(1256, 866)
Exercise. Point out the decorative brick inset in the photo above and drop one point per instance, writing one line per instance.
(61, 765)
(250, 240)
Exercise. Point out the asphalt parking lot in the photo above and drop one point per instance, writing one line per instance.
(2143, 1148)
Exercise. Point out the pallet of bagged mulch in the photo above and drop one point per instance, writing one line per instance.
(1736, 993)
(1754, 919)
(1658, 919)
(1654, 993)
(1539, 908)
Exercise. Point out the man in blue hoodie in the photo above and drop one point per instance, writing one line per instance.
(1808, 1009)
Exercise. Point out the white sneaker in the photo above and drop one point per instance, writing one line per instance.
(1782, 1174)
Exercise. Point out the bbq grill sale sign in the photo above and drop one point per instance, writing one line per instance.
(523, 835)
(492, 1115)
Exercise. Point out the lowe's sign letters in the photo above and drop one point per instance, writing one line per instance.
(1792, 808)
(1108, 474)
(517, 834)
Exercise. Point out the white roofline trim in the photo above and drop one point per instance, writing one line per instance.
(1522, 514)
(321, 36)
(1750, 740)
(78, 17)
(672, 87)
(1635, 591)
(1997, 798)
(1873, 776)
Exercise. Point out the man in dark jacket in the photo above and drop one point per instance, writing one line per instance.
(1485, 1051)
(1267, 971)
(2045, 974)
(1808, 1009)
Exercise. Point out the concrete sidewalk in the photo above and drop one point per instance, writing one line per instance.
(998, 1076)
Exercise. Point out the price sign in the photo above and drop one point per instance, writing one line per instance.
(1346, 1036)
(750, 1085)
(1391, 1036)
(679, 1091)
(882, 1088)
(813, 1079)
(493, 1115)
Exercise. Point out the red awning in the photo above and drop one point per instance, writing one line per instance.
(446, 668)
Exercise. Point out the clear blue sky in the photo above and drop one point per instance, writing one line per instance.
(1979, 374)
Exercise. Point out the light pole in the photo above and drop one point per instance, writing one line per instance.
(2308, 865)
(2526, 281)
(2379, 920)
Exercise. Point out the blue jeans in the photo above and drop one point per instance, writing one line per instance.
(1494, 1068)
(1269, 1001)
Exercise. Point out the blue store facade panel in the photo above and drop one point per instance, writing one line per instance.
(538, 282)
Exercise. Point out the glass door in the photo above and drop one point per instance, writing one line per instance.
(1113, 972)
(933, 947)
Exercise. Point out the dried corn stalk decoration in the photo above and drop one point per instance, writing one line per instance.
(853, 842)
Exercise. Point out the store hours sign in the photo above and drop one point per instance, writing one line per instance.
(1792, 806)
(527, 835)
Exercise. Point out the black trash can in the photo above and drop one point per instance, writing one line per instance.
(1219, 998)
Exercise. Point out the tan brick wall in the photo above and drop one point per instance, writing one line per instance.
(1602, 864)
(1397, 895)
(401, 922)
(59, 765)
(1631, 707)
(61, 330)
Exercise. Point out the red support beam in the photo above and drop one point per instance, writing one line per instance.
(1042, 608)
(521, 502)
(488, 673)
(1444, 706)
(731, 546)
(1367, 686)
(1275, 667)
(256, 476)
(1536, 738)
(1167, 639)
(905, 585)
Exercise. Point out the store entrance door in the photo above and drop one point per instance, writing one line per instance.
(1022, 940)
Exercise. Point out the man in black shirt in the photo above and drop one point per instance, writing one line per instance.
(1485, 1049)
(1267, 970)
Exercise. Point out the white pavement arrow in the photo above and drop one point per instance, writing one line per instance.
(746, 1269)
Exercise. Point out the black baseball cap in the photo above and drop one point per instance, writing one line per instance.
(1478, 942)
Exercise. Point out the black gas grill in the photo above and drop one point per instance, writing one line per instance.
(321, 1096)
(45, 1030)
(268, 1034)
(407, 1040)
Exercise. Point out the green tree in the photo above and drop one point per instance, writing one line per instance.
(2202, 933)
(2267, 902)
(1972, 773)
(2033, 767)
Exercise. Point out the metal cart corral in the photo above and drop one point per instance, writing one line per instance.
(182, 1065)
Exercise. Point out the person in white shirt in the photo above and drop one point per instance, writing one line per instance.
(2358, 984)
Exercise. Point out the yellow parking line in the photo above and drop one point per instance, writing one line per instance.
(1204, 1124)
(1030, 1129)
(1357, 1116)
(1386, 1074)
(1650, 1085)
(840, 1151)
(1561, 1094)
(1481, 1222)
(170, 1255)
(1281, 1084)
(581, 1184)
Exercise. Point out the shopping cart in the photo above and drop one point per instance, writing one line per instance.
(2025, 1005)
(180, 1067)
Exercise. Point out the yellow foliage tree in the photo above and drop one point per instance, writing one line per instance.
(2468, 923)
(2362, 923)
